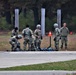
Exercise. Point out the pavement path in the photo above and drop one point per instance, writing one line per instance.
(37, 72)
(11, 59)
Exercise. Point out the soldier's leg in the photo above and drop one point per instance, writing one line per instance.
(24, 43)
(57, 44)
(36, 44)
(29, 45)
(18, 47)
(32, 42)
(39, 44)
(62, 41)
(33, 45)
(65, 42)
(12, 47)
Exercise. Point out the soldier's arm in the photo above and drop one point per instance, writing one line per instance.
(35, 33)
(60, 31)
(31, 32)
(23, 33)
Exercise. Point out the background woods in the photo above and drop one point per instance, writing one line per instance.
(30, 13)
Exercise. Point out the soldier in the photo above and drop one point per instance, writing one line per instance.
(57, 36)
(64, 31)
(27, 34)
(38, 37)
(14, 32)
(15, 43)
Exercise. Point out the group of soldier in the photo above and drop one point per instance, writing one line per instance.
(62, 34)
(32, 39)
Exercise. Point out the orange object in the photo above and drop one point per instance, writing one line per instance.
(50, 34)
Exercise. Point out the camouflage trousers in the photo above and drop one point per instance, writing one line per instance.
(57, 43)
(64, 41)
(37, 44)
(15, 46)
(27, 42)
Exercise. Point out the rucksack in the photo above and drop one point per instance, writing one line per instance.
(27, 33)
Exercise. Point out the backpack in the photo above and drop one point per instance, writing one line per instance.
(27, 33)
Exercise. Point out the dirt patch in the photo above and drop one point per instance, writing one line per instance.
(5, 36)
(4, 32)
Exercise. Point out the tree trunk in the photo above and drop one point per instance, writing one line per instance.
(7, 11)
(24, 12)
(36, 16)
(8, 17)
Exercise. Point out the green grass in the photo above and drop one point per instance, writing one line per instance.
(67, 65)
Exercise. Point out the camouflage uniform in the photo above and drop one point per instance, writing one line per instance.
(14, 43)
(33, 43)
(64, 33)
(38, 38)
(57, 37)
(14, 32)
(27, 34)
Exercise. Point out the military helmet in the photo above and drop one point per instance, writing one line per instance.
(56, 25)
(38, 26)
(19, 36)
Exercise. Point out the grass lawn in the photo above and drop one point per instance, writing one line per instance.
(67, 65)
(4, 42)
